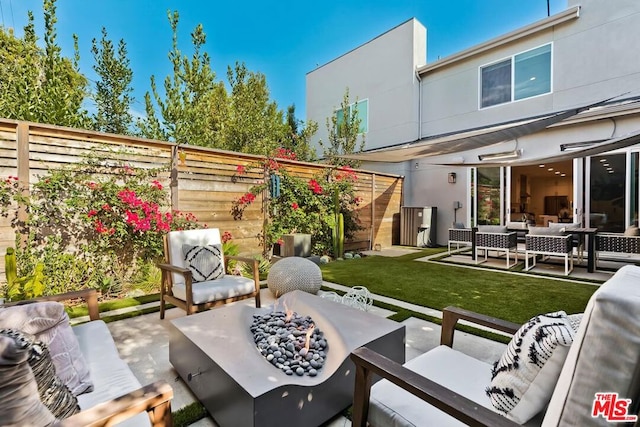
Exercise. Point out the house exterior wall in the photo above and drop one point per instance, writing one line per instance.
(593, 58)
(382, 71)
(583, 51)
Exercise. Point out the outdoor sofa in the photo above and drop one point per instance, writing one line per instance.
(581, 364)
(86, 360)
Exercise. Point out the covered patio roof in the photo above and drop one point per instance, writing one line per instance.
(471, 139)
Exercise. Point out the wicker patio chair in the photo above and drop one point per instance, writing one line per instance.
(460, 236)
(549, 243)
(619, 243)
(499, 242)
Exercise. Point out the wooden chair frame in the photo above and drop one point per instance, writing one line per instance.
(368, 363)
(166, 292)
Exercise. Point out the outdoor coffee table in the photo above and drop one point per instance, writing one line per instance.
(214, 353)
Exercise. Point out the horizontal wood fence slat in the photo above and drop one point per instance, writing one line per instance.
(207, 182)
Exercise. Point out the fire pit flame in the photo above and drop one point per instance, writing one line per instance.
(308, 337)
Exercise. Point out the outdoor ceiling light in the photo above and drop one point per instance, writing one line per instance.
(501, 156)
(577, 145)
(541, 166)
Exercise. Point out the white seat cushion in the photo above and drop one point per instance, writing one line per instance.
(392, 406)
(110, 374)
(213, 290)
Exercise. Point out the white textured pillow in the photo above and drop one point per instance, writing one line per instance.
(205, 262)
(546, 231)
(526, 374)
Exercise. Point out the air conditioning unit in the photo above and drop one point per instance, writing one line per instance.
(418, 226)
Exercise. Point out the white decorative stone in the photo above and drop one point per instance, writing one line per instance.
(294, 273)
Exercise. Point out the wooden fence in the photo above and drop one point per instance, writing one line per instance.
(201, 180)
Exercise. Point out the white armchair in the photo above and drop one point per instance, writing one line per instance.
(194, 275)
(445, 387)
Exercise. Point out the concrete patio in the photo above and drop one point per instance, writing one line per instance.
(143, 342)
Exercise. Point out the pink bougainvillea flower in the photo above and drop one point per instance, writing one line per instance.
(294, 205)
(315, 187)
(100, 228)
(92, 212)
(240, 170)
(156, 184)
(226, 237)
(280, 242)
(92, 185)
(106, 207)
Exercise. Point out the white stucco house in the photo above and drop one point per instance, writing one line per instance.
(539, 123)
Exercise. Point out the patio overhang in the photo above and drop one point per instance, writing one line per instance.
(468, 140)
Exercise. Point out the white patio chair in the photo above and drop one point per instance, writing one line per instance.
(445, 387)
(194, 275)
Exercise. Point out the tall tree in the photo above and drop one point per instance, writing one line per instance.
(344, 132)
(113, 95)
(254, 123)
(190, 111)
(298, 137)
(38, 84)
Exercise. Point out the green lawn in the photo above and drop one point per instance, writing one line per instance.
(512, 297)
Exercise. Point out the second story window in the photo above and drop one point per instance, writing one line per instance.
(362, 110)
(521, 76)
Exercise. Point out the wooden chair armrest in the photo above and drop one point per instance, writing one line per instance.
(174, 268)
(451, 315)
(90, 296)
(368, 362)
(154, 398)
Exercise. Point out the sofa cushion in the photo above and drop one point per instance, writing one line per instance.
(492, 229)
(111, 375)
(392, 406)
(21, 405)
(205, 262)
(526, 374)
(214, 290)
(631, 231)
(546, 231)
(604, 355)
(49, 323)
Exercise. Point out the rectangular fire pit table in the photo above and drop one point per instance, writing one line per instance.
(215, 354)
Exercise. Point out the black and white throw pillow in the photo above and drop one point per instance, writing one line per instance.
(205, 262)
(524, 378)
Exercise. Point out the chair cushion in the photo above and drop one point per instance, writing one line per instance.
(226, 287)
(49, 323)
(632, 231)
(205, 262)
(547, 231)
(111, 374)
(526, 374)
(392, 406)
(604, 355)
(492, 229)
(21, 405)
(199, 237)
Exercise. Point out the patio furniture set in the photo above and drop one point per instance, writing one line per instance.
(555, 240)
(215, 353)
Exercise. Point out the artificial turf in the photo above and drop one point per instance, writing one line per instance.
(513, 297)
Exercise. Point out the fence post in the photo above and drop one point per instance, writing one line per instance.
(372, 235)
(22, 161)
(174, 177)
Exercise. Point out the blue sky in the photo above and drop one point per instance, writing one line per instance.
(282, 39)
